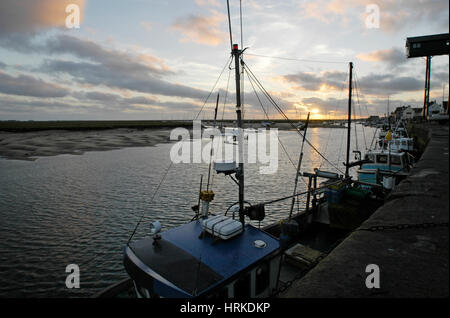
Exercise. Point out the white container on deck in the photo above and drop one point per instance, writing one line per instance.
(388, 182)
(222, 226)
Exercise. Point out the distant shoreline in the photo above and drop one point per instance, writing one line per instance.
(82, 125)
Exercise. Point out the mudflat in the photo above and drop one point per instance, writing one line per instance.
(33, 144)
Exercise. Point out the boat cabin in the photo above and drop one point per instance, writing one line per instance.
(402, 144)
(383, 163)
(193, 261)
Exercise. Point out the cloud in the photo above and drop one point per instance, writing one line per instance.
(25, 85)
(148, 26)
(338, 107)
(101, 74)
(387, 84)
(441, 76)
(329, 80)
(113, 59)
(214, 3)
(392, 57)
(201, 29)
(394, 15)
(101, 66)
(401, 14)
(364, 107)
(375, 84)
(30, 16)
(108, 67)
(141, 103)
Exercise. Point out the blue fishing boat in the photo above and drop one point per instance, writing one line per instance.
(180, 264)
(213, 255)
(217, 255)
(384, 167)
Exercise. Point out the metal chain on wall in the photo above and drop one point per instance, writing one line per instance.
(402, 226)
(374, 228)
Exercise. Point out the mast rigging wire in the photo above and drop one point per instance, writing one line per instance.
(359, 106)
(296, 59)
(215, 84)
(151, 201)
(225, 99)
(284, 115)
(335, 110)
(267, 116)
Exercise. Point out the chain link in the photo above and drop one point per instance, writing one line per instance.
(374, 228)
(425, 225)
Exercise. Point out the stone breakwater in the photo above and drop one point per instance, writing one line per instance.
(413, 260)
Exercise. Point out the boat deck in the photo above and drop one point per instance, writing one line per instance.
(214, 261)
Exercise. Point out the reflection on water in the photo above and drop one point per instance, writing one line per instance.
(69, 209)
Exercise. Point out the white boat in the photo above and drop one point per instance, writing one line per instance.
(385, 167)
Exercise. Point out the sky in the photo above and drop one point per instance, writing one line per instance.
(168, 59)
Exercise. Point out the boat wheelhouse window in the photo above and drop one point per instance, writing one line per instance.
(242, 287)
(396, 160)
(369, 157)
(382, 159)
(262, 278)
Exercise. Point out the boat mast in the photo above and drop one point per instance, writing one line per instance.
(240, 173)
(212, 143)
(349, 118)
(298, 168)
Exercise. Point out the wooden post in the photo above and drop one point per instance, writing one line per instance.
(427, 88)
(349, 120)
(314, 201)
(308, 196)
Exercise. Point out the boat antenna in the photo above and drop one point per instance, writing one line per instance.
(240, 16)
(229, 24)
(349, 118)
(298, 167)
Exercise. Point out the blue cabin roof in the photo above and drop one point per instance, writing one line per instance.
(183, 264)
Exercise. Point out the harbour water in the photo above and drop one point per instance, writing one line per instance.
(81, 209)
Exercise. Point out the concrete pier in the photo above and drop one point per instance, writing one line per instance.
(412, 261)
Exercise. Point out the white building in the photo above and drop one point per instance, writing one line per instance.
(408, 113)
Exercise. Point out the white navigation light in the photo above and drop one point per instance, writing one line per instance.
(155, 227)
(259, 244)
